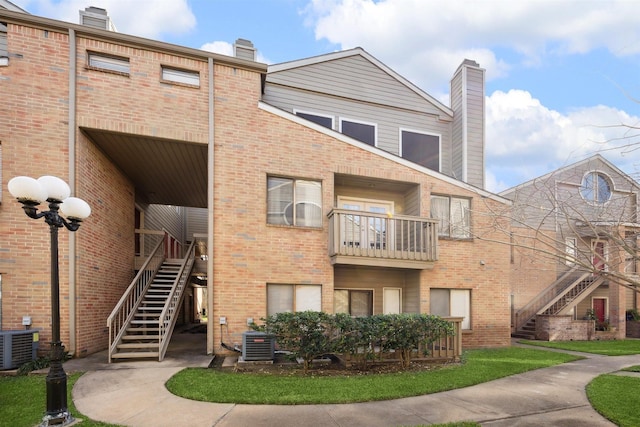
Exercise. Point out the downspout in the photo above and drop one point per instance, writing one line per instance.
(71, 129)
(465, 123)
(210, 210)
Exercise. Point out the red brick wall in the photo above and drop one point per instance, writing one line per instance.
(250, 253)
(34, 138)
(105, 244)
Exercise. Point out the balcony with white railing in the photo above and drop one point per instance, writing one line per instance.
(400, 241)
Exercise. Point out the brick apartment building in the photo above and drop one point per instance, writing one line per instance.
(296, 193)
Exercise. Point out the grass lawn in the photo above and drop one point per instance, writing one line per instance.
(617, 397)
(23, 401)
(479, 366)
(607, 348)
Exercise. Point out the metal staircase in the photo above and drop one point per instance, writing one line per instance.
(558, 299)
(141, 324)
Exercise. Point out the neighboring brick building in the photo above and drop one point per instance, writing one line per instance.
(575, 251)
(295, 215)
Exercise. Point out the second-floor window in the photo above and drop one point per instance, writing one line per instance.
(363, 132)
(116, 64)
(4, 51)
(176, 75)
(454, 214)
(421, 148)
(325, 121)
(294, 202)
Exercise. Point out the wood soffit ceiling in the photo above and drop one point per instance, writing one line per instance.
(163, 171)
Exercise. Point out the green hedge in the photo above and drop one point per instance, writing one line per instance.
(312, 334)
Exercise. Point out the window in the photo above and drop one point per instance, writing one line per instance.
(454, 214)
(452, 303)
(294, 202)
(290, 298)
(174, 75)
(595, 187)
(4, 51)
(363, 132)
(109, 63)
(325, 121)
(421, 148)
(358, 303)
(570, 249)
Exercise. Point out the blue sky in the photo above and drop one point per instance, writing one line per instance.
(562, 75)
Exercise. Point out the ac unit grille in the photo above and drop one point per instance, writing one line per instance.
(257, 346)
(16, 348)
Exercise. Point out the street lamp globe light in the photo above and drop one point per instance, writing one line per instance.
(31, 192)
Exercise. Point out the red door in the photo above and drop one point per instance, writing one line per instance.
(600, 308)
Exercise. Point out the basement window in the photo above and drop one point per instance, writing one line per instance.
(114, 64)
(176, 75)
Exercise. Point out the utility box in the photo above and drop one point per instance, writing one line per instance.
(257, 346)
(17, 348)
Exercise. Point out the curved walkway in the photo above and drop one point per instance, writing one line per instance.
(133, 394)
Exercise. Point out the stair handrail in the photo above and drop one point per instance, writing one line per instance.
(577, 297)
(126, 307)
(167, 319)
(529, 310)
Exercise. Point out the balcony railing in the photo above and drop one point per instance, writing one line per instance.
(364, 238)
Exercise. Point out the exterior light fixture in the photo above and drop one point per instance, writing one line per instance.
(31, 192)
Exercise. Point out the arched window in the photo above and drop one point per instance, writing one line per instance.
(596, 187)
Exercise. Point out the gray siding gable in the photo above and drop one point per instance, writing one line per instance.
(356, 75)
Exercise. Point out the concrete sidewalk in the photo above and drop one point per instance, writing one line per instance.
(133, 394)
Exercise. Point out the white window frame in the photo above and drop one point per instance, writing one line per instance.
(420, 132)
(447, 229)
(109, 63)
(311, 113)
(296, 200)
(460, 295)
(595, 191)
(179, 75)
(360, 122)
(571, 250)
(4, 53)
(297, 305)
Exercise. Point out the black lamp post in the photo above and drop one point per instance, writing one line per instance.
(31, 192)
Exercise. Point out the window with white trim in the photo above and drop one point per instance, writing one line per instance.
(4, 50)
(596, 187)
(452, 303)
(176, 75)
(454, 215)
(326, 121)
(420, 148)
(355, 302)
(364, 132)
(296, 202)
(287, 298)
(570, 250)
(116, 64)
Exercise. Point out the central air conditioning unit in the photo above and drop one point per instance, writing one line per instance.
(17, 348)
(257, 346)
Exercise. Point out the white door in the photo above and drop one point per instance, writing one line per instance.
(368, 232)
(392, 301)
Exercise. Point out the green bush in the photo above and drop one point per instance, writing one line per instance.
(311, 334)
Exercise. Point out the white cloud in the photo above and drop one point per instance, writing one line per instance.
(223, 48)
(149, 18)
(421, 38)
(525, 139)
